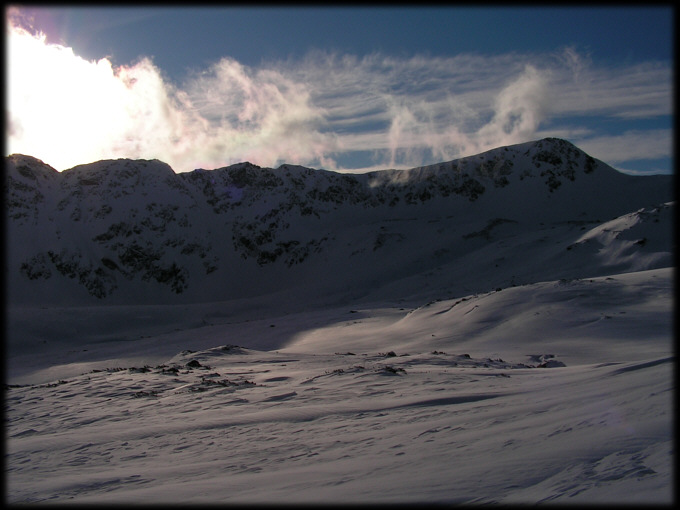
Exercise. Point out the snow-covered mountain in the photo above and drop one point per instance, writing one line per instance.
(492, 329)
(134, 231)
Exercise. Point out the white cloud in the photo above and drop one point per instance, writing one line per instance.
(636, 91)
(66, 111)
(405, 111)
(419, 109)
(259, 115)
(518, 110)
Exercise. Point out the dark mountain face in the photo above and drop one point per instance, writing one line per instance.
(124, 231)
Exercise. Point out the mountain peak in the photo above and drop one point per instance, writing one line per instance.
(551, 160)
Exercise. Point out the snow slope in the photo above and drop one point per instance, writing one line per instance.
(509, 345)
(461, 400)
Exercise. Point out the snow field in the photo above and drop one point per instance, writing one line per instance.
(441, 402)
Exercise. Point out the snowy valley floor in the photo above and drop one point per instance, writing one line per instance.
(557, 391)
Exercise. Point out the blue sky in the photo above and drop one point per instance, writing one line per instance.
(347, 89)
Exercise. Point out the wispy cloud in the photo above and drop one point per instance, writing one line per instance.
(259, 115)
(404, 111)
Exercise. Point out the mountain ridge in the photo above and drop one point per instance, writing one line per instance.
(135, 231)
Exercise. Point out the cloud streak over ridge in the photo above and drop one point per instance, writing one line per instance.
(328, 110)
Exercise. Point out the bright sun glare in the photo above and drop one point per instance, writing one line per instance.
(80, 94)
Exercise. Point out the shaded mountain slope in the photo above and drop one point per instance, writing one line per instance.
(135, 232)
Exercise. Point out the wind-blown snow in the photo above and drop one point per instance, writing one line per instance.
(514, 347)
